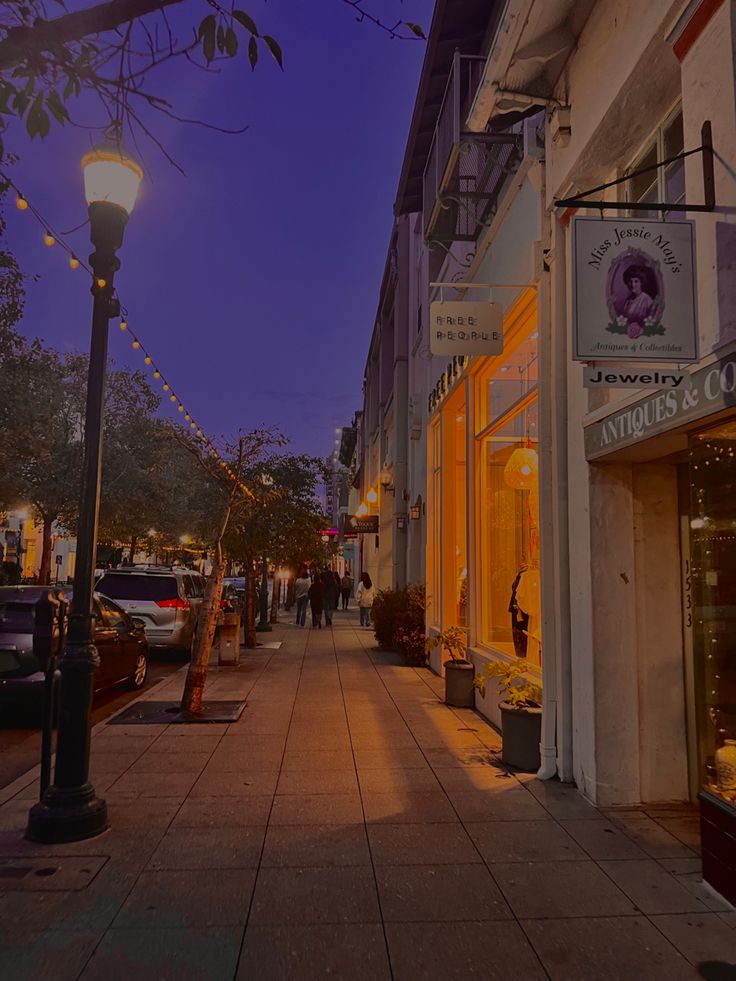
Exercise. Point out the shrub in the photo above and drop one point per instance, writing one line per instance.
(398, 621)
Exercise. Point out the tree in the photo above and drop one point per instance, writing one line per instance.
(42, 422)
(111, 49)
(232, 498)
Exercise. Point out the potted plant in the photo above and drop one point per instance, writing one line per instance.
(521, 711)
(459, 670)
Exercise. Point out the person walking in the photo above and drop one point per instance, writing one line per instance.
(346, 588)
(301, 596)
(317, 601)
(332, 595)
(364, 595)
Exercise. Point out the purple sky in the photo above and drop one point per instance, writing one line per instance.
(254, 280)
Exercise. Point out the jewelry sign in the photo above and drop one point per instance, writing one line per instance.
(634, 290)
(465, 328)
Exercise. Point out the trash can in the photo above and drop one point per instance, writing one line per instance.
(228, 644)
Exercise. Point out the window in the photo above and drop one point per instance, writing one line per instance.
(433, 514)
(138, 587)
(507, 436)
(112, 616)
(454, 560)
(713, 618)
(664, 183)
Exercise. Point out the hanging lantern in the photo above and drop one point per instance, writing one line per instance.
(521, 470)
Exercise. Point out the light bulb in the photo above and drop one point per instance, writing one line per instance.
(123, 324)
(192, 425)
(136, 345)
(21, 203)
(187, 417)
(157, 374)
(172, 398)
(102, 283)
(166, 386)
(181, 408)
(48, 239)
(73, 262)
(147, 359)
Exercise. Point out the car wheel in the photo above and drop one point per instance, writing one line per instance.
(138, 678)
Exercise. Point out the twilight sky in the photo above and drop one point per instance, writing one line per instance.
(253, 280)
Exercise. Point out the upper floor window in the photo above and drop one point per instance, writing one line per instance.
(664, 183)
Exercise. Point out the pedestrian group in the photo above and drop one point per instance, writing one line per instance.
(324, 591)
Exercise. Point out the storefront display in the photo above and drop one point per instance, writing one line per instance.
(713, 551)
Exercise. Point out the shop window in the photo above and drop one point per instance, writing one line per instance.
(509, 530)
(434, 524)
(456, 552)
(664, 183)
(713, 605)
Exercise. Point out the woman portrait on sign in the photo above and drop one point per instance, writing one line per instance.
(640, 304)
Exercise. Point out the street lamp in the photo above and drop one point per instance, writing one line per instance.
(70, 810)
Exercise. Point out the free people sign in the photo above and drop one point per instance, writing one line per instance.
(366, 524)
(634, 290)
(465, 328)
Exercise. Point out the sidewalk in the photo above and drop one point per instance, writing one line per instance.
(349, 826)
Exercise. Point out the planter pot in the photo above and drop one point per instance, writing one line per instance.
(459, 689)
(522, 731)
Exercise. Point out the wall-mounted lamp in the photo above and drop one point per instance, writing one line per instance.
(415, 511)
(371, 496)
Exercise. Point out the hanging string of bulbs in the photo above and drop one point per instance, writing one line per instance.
(51, 238)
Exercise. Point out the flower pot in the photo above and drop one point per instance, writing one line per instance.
(459, 677)
(522, 731)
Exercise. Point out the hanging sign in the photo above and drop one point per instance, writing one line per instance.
(465, 328)
(634, 290)
(365, 525)
(613, 376)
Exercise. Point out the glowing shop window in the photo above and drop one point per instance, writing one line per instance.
(456, 605)
(433, 515)
(509, 521)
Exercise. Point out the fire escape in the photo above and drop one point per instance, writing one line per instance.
(465, 171)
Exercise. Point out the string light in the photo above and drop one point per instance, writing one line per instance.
(50, 238)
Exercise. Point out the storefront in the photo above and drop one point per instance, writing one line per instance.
(483, 553)
(676, 455)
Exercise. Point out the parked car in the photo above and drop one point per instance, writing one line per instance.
(120, 641)
(166, 598)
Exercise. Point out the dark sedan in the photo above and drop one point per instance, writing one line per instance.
(120, 641)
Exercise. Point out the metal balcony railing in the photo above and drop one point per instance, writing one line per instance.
(465, 171)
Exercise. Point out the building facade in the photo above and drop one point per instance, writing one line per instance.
(588, 529)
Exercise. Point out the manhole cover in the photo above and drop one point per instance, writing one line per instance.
(44, 874)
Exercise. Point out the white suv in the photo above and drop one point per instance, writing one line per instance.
(166, 598)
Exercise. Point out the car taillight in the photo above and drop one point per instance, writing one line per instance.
(173, 604)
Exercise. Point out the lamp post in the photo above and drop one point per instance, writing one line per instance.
(69, 809)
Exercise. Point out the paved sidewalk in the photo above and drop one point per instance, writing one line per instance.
(349, 826)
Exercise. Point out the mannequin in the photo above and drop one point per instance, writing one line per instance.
(519, 619)
(528, 598)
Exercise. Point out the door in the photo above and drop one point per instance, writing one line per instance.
(108, 641)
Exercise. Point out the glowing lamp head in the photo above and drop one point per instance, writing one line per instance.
(123, 324)
(166, 386)
(172, 398)
(111, 177)
(73, 262)
(362, 510)
(371, 496)
(21, 203)
(48, 239)
(136, 345)
(521, 469)
(147, 359)
(157, 374)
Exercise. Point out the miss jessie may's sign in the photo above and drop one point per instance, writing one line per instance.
(633, 290)
(712, 390)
